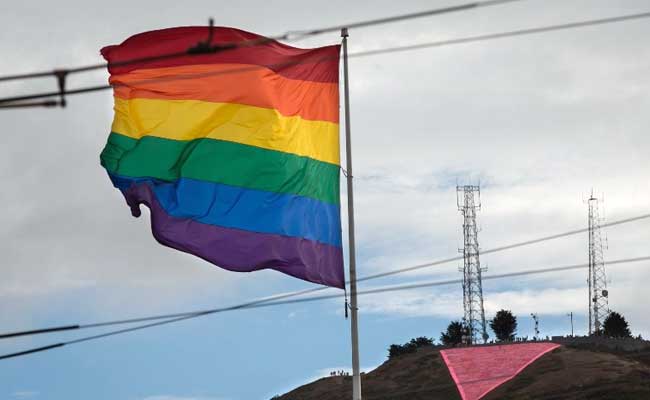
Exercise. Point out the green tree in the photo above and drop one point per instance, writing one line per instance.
(409, 347)
(422, 341)
(504, 325)
(395, 350)
(454, 334)
(615, 326)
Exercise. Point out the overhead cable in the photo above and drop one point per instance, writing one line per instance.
(288, 36)
(385, 289)
(501, 35)
(4, 102)
(310, 290)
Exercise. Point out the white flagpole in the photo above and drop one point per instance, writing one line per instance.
(356, 376)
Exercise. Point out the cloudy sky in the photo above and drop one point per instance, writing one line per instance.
(539, 120)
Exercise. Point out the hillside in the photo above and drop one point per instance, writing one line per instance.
(566, 373)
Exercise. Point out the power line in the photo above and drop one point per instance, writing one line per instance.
(6, 102)
(501, 35)
(103, 65)
(43, 103)
(403, 17)
(288, 36)
(393, 288)
(502, 248)
(367, 53)
(157, 317)
(311, 290)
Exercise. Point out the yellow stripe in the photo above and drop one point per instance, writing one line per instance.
(253, 126)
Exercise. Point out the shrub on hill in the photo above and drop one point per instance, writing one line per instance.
(615, 326)
(504, 325)
(410, 347)
(454, 334)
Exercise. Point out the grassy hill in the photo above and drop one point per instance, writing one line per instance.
(570, 372)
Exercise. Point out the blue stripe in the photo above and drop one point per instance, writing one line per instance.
(246, 209)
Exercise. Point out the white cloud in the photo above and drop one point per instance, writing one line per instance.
(415, 303)
(544, 301)
(25, 394)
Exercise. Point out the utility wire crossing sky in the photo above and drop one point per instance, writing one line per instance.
(8, 101)
(276, 299)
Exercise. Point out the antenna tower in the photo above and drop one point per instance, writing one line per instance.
(534, 316)
(598, 295)
(468, 200)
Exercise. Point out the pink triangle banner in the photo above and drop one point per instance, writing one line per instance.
(479, 370)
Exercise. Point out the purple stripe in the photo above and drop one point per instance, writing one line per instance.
(239, 250)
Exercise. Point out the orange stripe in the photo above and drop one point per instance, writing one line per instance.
(233, 83)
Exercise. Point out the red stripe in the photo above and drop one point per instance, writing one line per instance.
(233, 83)
(318, 65)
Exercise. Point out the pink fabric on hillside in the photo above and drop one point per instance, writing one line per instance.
(478, 370)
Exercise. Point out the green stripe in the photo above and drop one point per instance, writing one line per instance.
(221, 162)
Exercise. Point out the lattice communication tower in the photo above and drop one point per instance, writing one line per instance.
(598, 294)
(468, 200)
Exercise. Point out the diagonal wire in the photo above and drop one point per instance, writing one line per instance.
(367, 53)
(501, 35)
(41, 103)
(502, 248)
(288, 36)
(403, 17)
(311, 290)
(158, 317)
(393, 288)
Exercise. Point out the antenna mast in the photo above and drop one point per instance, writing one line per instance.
(598, 294)
(534, 316)
(474, 318)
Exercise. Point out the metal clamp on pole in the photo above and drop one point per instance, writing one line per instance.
(205, 47)
(61, 75)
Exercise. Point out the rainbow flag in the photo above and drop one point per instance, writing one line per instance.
(236, 152)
